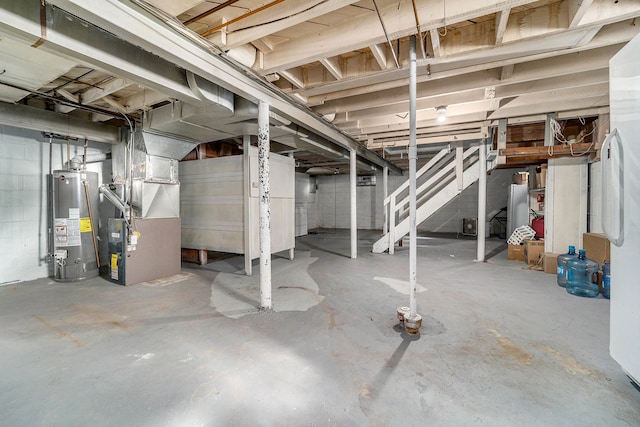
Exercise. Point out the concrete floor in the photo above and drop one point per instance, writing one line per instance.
(500, 345)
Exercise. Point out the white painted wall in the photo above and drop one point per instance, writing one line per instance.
(24, 164)
(306, 202)
(333, 203)
(449, 218)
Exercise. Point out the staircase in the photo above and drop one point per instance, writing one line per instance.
(445, 176)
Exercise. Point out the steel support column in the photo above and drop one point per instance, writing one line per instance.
(482, 201)
(265, 205)
(412, 320)
(385, 193)
(246, 199)
(354, 218)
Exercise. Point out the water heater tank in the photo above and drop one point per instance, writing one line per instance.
(75, 225)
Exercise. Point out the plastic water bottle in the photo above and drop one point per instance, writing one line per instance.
(606, 279)
(562, 265)
(581, 276)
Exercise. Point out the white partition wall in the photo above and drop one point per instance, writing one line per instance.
(212, 203)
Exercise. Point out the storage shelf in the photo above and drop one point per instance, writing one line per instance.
(536, 190)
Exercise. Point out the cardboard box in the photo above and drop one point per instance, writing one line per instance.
(516, 252)
(533, 249)
(541, 176)
(550, 262)
(597, 246)
(520, 178)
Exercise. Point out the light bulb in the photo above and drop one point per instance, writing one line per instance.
(442, 113)
(442, 118)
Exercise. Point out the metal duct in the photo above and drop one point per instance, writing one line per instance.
(244, 54)
(164, 145)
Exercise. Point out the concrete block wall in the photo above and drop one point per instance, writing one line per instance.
(334, 202)
(24, 165)
(306, 200)
(449, 218)
(333, 206)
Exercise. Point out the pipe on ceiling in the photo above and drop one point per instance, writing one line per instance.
(240, 18)
(384, 29)
(209, 12)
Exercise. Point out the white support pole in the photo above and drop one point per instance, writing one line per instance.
(354, 218)
(392, 224)
(385, 193)
(413, 154)
(549, 139)
(412, 320)
(292, 250)
(482, 201)
(246, 201)
(460, 165)
(265, 205)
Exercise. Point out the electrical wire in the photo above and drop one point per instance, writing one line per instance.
(444, 18)
(557, 130)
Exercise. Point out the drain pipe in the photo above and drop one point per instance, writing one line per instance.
(265, 206)
(412, 320)
(482, 201)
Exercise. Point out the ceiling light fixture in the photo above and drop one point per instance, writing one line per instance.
(442, 113)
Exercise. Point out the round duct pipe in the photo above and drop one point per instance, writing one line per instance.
(245, 54)
(329, 117)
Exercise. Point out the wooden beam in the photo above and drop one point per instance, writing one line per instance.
(502, 18)
(294, 77)
(332, 65)
(577, 10)
(550, 152)
(435, 42)
(379, 52)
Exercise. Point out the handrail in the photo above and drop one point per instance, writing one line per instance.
(396, 219)
(434, 160)
(617, 137)
(470, 151)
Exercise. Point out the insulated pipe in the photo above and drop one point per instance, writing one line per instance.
(354, 219)
(265, 206)
(482, 201)
(413, 154)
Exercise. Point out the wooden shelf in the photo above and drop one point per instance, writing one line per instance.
(550, 152)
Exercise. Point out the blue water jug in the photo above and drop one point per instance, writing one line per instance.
(581, 276)
(562, 265)
(606, 279)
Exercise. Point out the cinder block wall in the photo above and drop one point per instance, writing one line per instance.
(306, 198)
(24, 165)
(449, 219)
(333, 203)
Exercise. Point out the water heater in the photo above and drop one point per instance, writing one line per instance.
(75, 225)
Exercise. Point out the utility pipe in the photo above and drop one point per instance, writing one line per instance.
(384, 29)
(482, 201)
(412, 320)
(265, 205)
(354, 219)
(209, 12)
(240, 18)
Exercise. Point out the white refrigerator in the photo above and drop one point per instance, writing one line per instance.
(517, 207)
(621, 207)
